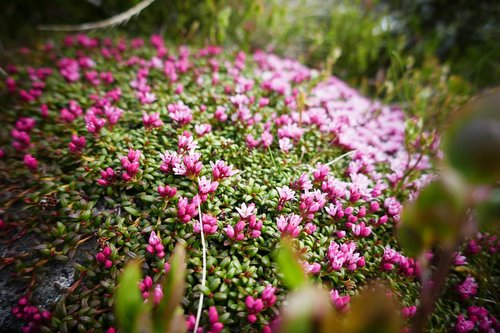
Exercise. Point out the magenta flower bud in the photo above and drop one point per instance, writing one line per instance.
(217, 327)
(361, 262)
(23, 301)
(100, 257)
(148, 282)
(153, 239)
(251, 318)
(106, 251)
(108, 264)
(249, 302)
(229, 231)
(409, 311)
(157, 294)
(213, 316)
(374, 206)
(30, 162)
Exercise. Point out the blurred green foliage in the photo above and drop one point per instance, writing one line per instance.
(357, 37)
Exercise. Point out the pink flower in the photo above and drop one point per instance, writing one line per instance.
(311, 203)
(303, 183)
(213, 316)
(166, 191)
(409, 311)
(251, 142)
(286, 194)
(25, 124)
(254, 306)
(94, 123)
(180, 113)
(289, 225)
(190, 166)
(186, 144)
(145, 286)
(462, 325)
(151, 121)
(393, 206)
(30, 162)
(321, 172)
(186, 210)
(361, 230)
(104, 257)
(459, 259)
(130, 164)
(246, 211)
(77, 144)
(285, 145)
(205, 187)
(340, 302)
(468, 287)
(221, 171)
(209, 225)
(220, 114)
(155, 246)
(268, 295)
(157, 294)
(169, 160)
(107, 177)
(202, 129)
(266, 139)
(344, 256)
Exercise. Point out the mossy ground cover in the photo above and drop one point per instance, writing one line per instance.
(94, 130)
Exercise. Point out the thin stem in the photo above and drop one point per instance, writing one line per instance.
(204, 271)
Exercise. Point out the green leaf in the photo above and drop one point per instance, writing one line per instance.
(293, 275)
(129, 304)
(471, 142)
(488, 212)
(173, 292)
(132, 211)
(435, 216)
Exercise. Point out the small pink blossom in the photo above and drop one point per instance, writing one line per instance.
(152, 120)
(30, 162)
(341, 302)
(289, 225)
(467, 288)
(221, 171)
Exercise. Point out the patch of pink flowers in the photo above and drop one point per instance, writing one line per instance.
(344, 255)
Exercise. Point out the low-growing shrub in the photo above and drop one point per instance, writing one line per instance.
(125, 142)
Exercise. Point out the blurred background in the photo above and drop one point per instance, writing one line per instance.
(368, 43)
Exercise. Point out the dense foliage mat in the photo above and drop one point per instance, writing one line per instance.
(121, 143)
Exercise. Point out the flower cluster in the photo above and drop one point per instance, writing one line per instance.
(344, 256)
(130, 164)
(407, 266)
(104, 257)
(476, 318)
(467, 288)
(257, 305)
(31, 315)
(247, 217)
(155, 246)
(209, 225)
(187, 209)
